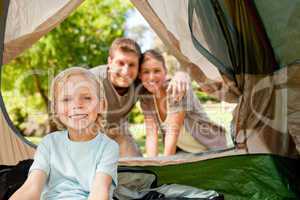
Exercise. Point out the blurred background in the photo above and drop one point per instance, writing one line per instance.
(83, 39)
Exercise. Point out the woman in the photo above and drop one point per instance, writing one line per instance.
(184, 124)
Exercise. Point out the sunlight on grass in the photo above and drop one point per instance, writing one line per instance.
(220, 113)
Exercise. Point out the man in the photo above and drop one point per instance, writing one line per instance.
(120, 84)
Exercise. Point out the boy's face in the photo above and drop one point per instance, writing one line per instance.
(123, 68)
(77, 103)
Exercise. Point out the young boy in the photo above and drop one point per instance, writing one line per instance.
(78, 162)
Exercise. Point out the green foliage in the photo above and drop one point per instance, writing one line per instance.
(204, 97)
(136, 116)
(82, 39)
(23, 109)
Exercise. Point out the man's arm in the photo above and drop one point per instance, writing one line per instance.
(101, 187)
(178, 86)
(123, 137)
(32, 188)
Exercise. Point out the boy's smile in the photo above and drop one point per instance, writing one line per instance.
(77, 103)
(78, 116)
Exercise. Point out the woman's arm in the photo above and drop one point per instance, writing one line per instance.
(151, 136)
(101, 187)
(32, 188)
(174, 123)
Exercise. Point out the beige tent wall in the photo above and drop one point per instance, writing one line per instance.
(177, 159)
(293, 106)
(28, 21)
(270, 119)
(12, 148)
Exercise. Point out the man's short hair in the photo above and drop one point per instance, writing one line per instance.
(126, 45)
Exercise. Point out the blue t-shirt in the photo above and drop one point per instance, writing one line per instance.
(71, 165)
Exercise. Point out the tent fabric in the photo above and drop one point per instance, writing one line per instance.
(23, 27)
(240, 177)
(282, 22)
(12, 148)
(173, 30)
(247, 54)
(279, 130)
(180, 30)
(271, 97)
(246, 51)
(251, 50)
(136, 183)
(231, 36)
(293, 105)
(207, 36)
(268, 113)
(179, 159)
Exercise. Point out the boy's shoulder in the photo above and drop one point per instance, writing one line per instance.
(108, 141)
(54, 136)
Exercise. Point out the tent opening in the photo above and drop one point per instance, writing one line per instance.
(82, 39)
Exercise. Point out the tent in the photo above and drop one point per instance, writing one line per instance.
(240, 51)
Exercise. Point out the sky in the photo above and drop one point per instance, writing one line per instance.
(134, 21)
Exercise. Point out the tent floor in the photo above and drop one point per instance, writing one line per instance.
(242, 177)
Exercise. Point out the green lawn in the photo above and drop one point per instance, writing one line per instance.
(218, 112)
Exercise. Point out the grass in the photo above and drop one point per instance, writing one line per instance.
(220, 113)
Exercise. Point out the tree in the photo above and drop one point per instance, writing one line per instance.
(82, 39)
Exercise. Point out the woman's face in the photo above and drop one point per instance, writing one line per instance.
(77, 103)
(152, 75)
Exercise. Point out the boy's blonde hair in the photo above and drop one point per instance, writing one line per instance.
(64, 76)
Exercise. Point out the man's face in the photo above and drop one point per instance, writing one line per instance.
(123, 68)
